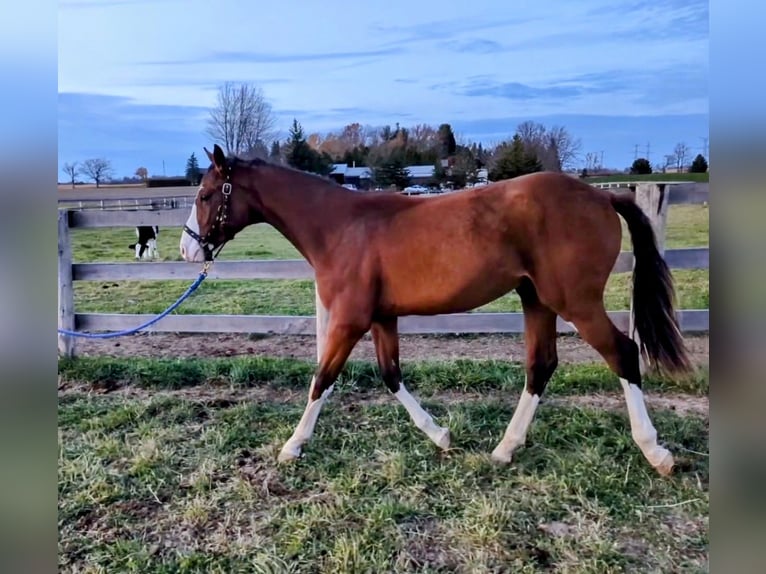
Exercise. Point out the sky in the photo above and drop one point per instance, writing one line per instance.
(138, 78)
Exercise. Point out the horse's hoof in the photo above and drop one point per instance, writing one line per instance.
(289, 454)
(665, 468)
(501, 456)
(443, 439)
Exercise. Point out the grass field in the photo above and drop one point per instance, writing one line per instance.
(688, 226)
(175, 472)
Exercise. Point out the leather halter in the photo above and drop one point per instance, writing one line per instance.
(220, 221)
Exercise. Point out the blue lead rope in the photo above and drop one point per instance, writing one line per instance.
(181, 299)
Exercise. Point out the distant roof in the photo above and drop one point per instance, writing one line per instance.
(420, 170)
(343, 169)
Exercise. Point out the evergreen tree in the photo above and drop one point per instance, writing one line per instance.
(440, 174)
(301, 156)
(392, 172)
(641, 166)
(193, 173)
(699, 165)
(447, 143)
(515, 160)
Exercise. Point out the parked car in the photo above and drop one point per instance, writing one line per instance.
(416, 190)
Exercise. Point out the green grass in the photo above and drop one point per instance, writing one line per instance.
(696, 177)
(688, 226)
(278, 374)
(111, 244)
(167, 482)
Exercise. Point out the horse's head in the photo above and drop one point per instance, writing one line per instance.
(219, 212)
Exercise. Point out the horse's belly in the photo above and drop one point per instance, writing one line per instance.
(447, 292)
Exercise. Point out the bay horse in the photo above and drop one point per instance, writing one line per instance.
(378, 256)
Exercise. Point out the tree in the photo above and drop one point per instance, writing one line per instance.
(446, 139)
(97, 169)
(641, 166)
(439, 176)
(699, 165)
(514, 160)
(680, 151)
(193, 173)
(142, 173)
(241, 119)
(556, 148)
(72, 170)
(464, 169)
(392, 172)
(275, 155)
(301, 156)
(670, 159)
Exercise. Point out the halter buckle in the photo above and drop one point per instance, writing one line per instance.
(226, 190)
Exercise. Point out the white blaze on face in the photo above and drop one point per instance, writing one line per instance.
(191, 250)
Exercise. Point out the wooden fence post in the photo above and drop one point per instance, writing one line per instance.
(65, 289)
(652, 198)
(321, 321)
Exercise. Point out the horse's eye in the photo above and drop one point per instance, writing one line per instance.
(205, 197)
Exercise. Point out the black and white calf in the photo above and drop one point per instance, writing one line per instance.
(147, 241)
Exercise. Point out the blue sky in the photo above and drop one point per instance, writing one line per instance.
(137, 78)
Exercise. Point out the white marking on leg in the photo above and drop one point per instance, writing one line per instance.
(439, 435)
(643, 431)
(516, 432)
(292, 448)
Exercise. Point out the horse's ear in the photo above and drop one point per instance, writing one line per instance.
(209, 155)
(219, 158)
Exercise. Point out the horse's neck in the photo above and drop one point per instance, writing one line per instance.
(302, 209)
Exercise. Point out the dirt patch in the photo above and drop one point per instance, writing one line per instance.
(571, 349)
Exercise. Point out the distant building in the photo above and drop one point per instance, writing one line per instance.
(361, 177)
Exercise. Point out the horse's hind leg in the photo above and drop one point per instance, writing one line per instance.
(542, 359)
(621, 354)
(386, 340)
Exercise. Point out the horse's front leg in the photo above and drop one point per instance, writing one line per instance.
(340, 338)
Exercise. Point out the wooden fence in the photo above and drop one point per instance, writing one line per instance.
(653, 198)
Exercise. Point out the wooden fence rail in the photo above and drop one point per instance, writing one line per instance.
(650, 196)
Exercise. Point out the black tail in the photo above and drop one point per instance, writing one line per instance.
(660, 337)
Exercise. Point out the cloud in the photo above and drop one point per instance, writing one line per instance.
(246, 57)
(519, 91)
(445, 29)
(473, 46)
(665, 87)
(128, 134)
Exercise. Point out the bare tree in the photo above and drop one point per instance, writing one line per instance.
(556, 148)
(97, 169)
(681, 151)
(142, 173)
(670, 159)
(242, 119)
(72, 170)
(591, 161)
(564, 147)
